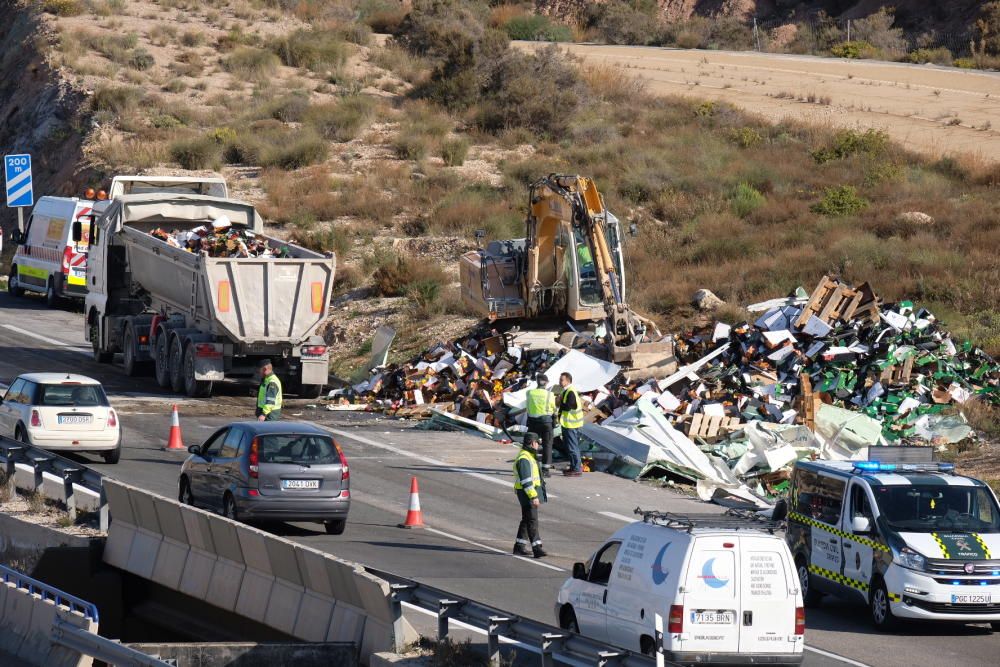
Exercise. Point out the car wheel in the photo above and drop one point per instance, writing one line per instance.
(881, 610)
(176, 365)
(161, 360)
(567, 620)
(21, 435)
(51, 298)
(100, 356)
(229, 508)
(335, 527)
(13, 286)
(184, 494)
(192, 386)
(113, 456)
(810, 596)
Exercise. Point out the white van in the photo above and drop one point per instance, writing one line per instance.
(723, 585)
(48, 260)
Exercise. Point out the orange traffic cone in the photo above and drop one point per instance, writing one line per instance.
(414, 517)
(174, 442)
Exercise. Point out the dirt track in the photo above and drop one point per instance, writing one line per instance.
(934, 110)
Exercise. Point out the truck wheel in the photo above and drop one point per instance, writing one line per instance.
(176, 365)
(193, 387)
(161, 360)
(100, 356)
(13, 287)
(310, 391)
(51, 298)
(128, 352)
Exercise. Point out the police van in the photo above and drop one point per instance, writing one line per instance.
(48, 260)
(910, 540)
(723, 589)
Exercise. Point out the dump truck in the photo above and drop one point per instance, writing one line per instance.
(570, 265)
(198, 319)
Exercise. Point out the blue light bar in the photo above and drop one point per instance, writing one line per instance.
(877, 466)
(873, 466)
(946, 467)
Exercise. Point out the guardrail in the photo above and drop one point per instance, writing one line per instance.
(46, 627)
(551, 643)
(39, 471)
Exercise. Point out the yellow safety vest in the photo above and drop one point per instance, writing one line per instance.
(536, 477)
(262, 403)
(572, 418)
(541, 403)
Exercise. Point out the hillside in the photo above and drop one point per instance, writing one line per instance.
(393, 153)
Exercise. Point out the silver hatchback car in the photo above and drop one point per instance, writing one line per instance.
(270, 471)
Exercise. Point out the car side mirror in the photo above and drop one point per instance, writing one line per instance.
(780, 511)
(17, 237)
(579, 571)
(195, 449)
(77, 231)
(861, 524)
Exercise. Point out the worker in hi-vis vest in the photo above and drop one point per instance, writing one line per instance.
(268, 393)
(570, 423)
(541, 412)
(530, 490)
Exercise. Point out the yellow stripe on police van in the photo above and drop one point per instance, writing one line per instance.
(940, 543)
(802, 518)
(982, 545)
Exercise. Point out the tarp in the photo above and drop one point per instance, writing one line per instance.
(589, 374)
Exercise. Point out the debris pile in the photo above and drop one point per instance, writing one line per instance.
(222, 239)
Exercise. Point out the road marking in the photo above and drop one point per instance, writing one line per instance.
(44, 339)
(418, 457)
(834, 656)
(533, 561)
(620, 517)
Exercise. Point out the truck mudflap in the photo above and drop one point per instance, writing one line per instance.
(209, 361)
(315, 371)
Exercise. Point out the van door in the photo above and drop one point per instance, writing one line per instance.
(767, 592)
(78, 250)
(820, 499)
(34, 259)
(859, 554)
(590, 605)
(711, 604)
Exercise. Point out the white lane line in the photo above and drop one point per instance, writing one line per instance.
(619, 517)
(418, 457)
(457, 538)
(44, 339)
(834, 656)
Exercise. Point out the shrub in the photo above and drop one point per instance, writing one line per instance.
(396, 274)
(839, 201)
(876, 30)
(746, 137)
(303, 148)
(198, 153)
(62, 7)
(192, 38)
(745, 199)
(290, 108)
(382, 16)
(849, 142)
(854, 49)
(341, 120)
(141, 59)
(535, 27)
(251, 63)
(938, 56)
(411, 145)
(454, 151)
(619, 22)
(987, 28)
(116, 99)
(316, 50)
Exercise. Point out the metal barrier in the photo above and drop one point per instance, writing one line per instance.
(39, 471)
(551, 643)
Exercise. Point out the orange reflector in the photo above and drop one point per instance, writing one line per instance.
(223, 296)
(317, 297)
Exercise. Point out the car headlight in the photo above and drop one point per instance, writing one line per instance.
(909, 558)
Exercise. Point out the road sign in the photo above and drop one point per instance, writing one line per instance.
(18, 170)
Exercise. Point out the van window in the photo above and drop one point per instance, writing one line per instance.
(600, 569)
(710, 574)
(767, 575)
(928, 508)
(818, 496)
(55, 231)
(860, 505)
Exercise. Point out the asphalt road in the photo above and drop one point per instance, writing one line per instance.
(465, 492)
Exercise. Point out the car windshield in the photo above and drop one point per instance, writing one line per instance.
(298, 449)
(71, 395)
(931, 508)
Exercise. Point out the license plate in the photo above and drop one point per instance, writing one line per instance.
(713, 617)
(972, 599)
(75, 419)
(300, 483)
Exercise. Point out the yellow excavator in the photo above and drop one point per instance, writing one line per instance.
(570, 265)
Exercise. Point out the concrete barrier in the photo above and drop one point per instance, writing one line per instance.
(28, 622)
(296, 590)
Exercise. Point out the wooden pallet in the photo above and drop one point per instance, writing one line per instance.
(898, 373)
(809, 402)
(711, 428)
(832, 300)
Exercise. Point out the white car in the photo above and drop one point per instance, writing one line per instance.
(61, 412)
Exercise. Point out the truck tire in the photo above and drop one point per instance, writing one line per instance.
(132, 367)
(193, 387)
(310, 391)
(51, 298)
(161, 360)
(13, 288)
(176, 364)
(100, 356)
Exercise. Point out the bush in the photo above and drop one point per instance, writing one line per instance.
(341, 120)
(251, 63)
(534, 27)
(854, 49)
(848, 142)
(192, 38)
(396, 274)
(315, 50)
(987, 29)
(840, 201)
(116, 99)
(141, 59)
(290, 108)
(746, 137)
(411, 145)
(876, 30)
(303, 149)
(938, 56)
(745, 199)
(199, 153)
(620, 23)
(454, 151)
(62, 7)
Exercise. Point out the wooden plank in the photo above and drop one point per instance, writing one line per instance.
(712, 427)
(695, 425)
(831, 304)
